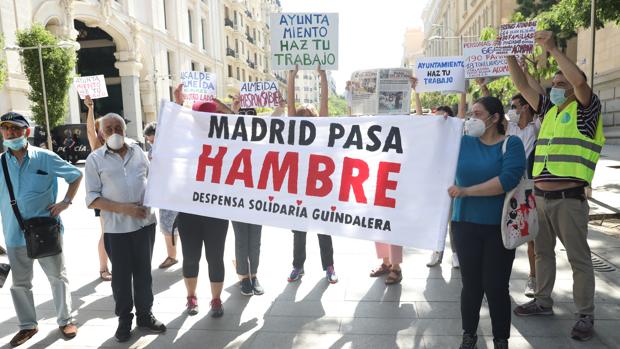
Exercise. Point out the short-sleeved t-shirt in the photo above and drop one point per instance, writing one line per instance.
(587, 122)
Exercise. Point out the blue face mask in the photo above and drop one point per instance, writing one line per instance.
(15, 144)
(557, 96)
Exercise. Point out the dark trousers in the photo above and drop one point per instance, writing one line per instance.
(485, 269)
(299, 249)
(196, 231)
(131, 254)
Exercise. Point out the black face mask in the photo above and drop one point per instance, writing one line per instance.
(247, 111)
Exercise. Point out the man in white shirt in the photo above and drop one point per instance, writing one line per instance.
(116, 177)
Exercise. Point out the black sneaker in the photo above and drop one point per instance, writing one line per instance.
(584, 328)
(500, 343)
(149, 322)
(246, 287)
(123, 332)
(258, 289)
(469, 341)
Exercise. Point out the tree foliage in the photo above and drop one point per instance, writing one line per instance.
(58, 65)
(432, 100)
(2, 63)
(337, 106)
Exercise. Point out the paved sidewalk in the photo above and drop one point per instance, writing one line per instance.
(357, 312)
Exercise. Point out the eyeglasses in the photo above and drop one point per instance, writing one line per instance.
(11, 128)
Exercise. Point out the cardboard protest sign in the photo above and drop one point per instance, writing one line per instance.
(381, 178)
(481, 60)
(381, 91)
(93, 86)
(440, 74)
(259, 94)
(198, 86)
(516, 38)
(305, 39)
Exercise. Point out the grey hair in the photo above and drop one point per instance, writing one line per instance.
(114, 116)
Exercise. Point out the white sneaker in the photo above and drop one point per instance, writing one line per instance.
(455, 261)
(436, 259)
(530, 287)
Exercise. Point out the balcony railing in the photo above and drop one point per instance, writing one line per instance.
(230, 52)
(251, 64)
(228, 22)
(250, 39)
(248, 13)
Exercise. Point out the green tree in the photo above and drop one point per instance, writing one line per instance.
(337, 105)
(432, 100)
(58, 65)
(2, 63)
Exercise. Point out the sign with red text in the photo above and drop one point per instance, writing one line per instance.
(259, 94)
(304, 39)
(93, 86)
(437, 74)
(516, 38)
(198, 86)
(481, 61)
(380, 178)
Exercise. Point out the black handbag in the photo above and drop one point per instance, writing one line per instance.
(42, 234)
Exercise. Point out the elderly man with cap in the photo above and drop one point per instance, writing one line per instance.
(33, 174)
(115, 184)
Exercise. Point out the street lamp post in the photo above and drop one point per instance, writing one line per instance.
(62, 44)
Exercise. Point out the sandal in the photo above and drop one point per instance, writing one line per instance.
(391, 280)
(168, 262)
(381, 270)
(105, 275)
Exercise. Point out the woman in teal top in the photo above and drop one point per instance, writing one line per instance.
(484, 174)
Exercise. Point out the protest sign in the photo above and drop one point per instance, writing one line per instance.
(259, 94)
(482, 61)
(381, 91)
(380, 178)
(93, 86)
(305, 39)
(198, 86)
(440, 74)
(516, 38)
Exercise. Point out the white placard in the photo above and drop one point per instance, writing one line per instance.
(259, 94)
(481, 60)
(93, 86)
(440, 74)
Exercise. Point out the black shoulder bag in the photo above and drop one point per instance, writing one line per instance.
(42, 234)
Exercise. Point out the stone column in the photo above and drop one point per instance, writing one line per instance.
(129, 72)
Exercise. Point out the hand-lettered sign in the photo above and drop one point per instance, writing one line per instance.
(198, 86)
(304, 39)
(516, 38)
(482, 61)
(93, 86)
(440, 74)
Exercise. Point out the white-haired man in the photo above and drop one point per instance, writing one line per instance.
(115, 184)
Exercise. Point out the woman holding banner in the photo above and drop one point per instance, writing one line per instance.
(198, 232)
(95, 140)
(299, 240)
(485, 172)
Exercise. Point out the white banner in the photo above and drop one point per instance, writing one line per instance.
(93, 86)
(305, 39)
(380, 178)
(440, 74)
(481, 61)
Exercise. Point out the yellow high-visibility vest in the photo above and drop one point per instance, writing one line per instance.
(564, 150)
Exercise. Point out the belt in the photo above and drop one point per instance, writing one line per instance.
(572, 193)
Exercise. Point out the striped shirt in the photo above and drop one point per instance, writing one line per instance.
(587, 122)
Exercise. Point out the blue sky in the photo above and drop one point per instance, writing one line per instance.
(371, 31)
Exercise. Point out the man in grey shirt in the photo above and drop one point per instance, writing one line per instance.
(115, 184)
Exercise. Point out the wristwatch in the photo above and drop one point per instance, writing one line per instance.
(66, 201)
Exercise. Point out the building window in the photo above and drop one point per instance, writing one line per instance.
(243, 74)
(238, 74)
(230, 71)
(194, 66)
(203, 30)
(169, 62)
(165, 15)
(189, 22)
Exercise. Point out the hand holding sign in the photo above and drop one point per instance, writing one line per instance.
(179, 98)
(88, 102)
(545, 39)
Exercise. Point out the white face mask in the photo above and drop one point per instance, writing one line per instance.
(115, 141)
(513, 116)
(475, 127)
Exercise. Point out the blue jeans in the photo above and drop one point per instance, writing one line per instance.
(21, 290)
